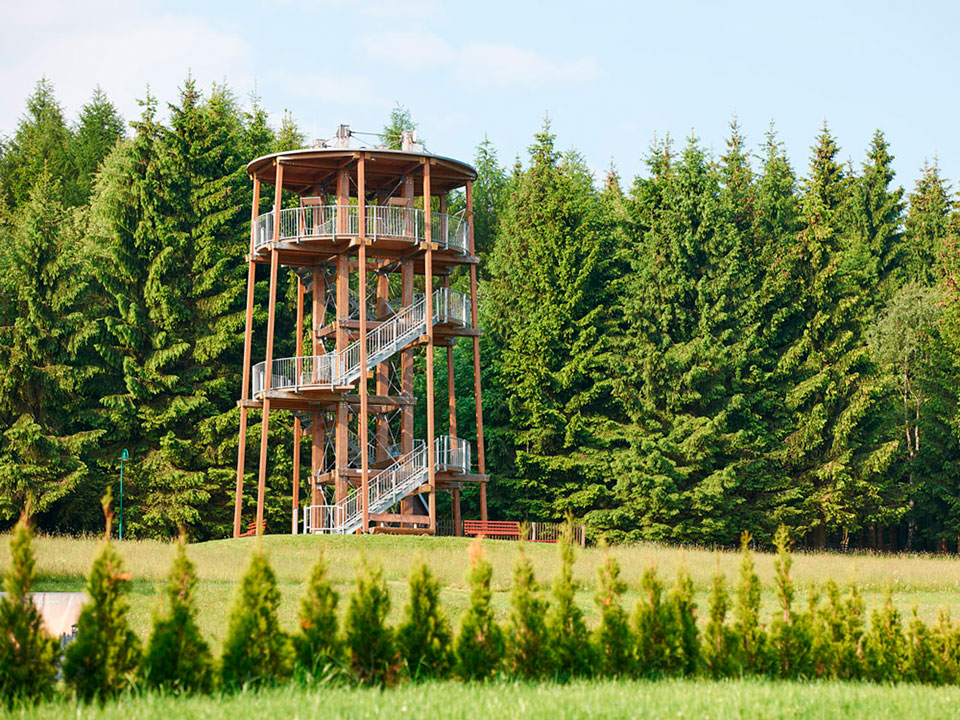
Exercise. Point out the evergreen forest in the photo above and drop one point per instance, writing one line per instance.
(729, 342)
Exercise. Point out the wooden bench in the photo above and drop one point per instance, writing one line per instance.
(498, 529)
(252, 529)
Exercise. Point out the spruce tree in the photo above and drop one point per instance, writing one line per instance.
(480, 643)
(613, 637)
(682, 613)
(177, 657)
(104, 658)
(885, 646)
(650, 626)
(424, 638)
(566, 628)
(528, 646)
(719, 640)
(318, 643)
(790, 637)
(28, 654)
(370, 641)
(256, 651)
(751, 651)
(98, 129)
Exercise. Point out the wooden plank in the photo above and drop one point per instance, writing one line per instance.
(478, 394)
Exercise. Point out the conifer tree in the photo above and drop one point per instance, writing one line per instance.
(28, 654)
(480, 643)
(177, 657)
(98, 129)
(789, 631)
(104, 658)
(370, 641)
(719, 640)
(318, 644)
(613, 638)
(424, 636)
(528, 646)
(922, 663)
(566, 628)
(650, 626)
(885, 645)
(489, 197)
(751, 649)
(400, 121)
(256, 651)
(685, 653)
(927, 225)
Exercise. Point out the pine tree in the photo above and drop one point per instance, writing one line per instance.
(566, 628)
(424, 638)
(28, 655)
(177, 657)
(480, 643)
(318, 644)
(613, 638)
(370, 641)
(47, 355)
(104, 658)
(400, 121)
(528, 646)
(256, 651)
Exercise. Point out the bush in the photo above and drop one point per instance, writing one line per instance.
(650, 621)
(177, 657)
(528, 651)
(256, 651)
(28, 655)
(370, 642)
(751, 638)
(103, 659)
(718, 637)
(480, 645)
(922, 663)
(565, 626)
(886, 647)
(613, 639)
(683, 631)
(318, 643)
(790, 632)
(424, 636)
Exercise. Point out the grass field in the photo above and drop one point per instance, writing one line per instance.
(668, 698)
(930, 582)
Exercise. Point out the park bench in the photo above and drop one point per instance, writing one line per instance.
(497, 529)
(252, 529)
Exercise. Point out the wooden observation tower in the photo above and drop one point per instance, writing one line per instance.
(373, 248)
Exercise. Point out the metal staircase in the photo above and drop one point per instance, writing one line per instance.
(389, 336)
(388, 487)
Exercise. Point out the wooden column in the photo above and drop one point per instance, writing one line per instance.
(428, 290)
(341, 429)
(297, 428)
(481, 458)
(363, 434)
(407, 277)
(383, 371)
(247, 341)
(316, 432)
(268, 365)
(455, 501)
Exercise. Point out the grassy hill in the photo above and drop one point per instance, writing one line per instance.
(929, 582)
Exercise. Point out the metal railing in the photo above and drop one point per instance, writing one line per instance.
(388, 487)
(390, 335)
(450, 232)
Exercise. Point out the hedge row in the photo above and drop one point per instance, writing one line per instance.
(545, 636)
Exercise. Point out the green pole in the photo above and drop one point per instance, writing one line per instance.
(123, 456)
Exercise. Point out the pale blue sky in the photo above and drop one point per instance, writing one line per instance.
(610, 74)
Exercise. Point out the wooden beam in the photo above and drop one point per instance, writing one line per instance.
(363, 434)
(481, 458)
(428, 291)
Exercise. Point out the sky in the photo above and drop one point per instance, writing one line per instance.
(610, 75)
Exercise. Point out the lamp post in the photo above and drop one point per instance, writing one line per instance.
(123, 456)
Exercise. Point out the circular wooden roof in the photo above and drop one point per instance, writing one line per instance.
(304, 170)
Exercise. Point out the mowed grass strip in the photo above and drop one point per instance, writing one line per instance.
(598, 699)
(927, 581)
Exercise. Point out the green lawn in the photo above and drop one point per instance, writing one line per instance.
(930, 582)
(669, 698)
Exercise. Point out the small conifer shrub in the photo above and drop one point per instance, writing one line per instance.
(528, 649)
(718, 636)
(480, 644)
(751, 638)
(424, 636)
(921, 663)
(569, 639)
(613, 638)
(790, 633)
(370, 641)
(650, 626)
(886, 646)
(946, 646)
(256, 651)
(318, 643)
(104, 658)
(28, 655)
(177, 658)
(683, 630)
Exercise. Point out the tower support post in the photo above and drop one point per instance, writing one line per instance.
(481, 457)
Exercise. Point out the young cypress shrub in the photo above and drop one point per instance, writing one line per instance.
(946, 646)
(851, 661)
(28, 655)
(256, 651)
(177, 657)
(613, 639)
(318, 644)
(370, 641)
(650, 627)
(528, 643)
(886, 646)
(682, 632)
(718, 637)
(751, 638)
(790, 638)
(822, 646)
(921, 663)
(104, 657)
(569, 640)
(480, 644)
(424, 637)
